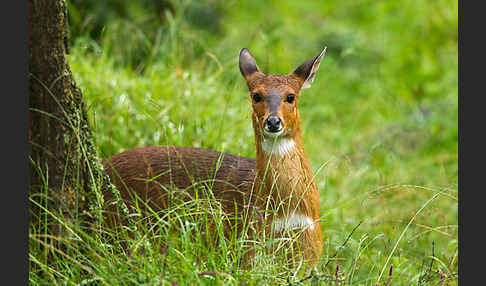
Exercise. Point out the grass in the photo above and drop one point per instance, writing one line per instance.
(380, 119)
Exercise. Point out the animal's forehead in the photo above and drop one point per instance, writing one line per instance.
(274, 82)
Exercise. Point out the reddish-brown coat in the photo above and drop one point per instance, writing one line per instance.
(277, 173)
(280, 185)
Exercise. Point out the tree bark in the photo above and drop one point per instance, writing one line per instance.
(64, 163)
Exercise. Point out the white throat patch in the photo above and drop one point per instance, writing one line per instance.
(293, 222)
(279, 146)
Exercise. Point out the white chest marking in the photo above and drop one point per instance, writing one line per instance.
(279, 146)
(293, 222)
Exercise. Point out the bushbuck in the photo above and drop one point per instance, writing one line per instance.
(275, 192)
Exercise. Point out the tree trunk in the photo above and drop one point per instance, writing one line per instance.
(64, 163)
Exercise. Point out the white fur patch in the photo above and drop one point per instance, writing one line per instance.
(293, 222)
(279, 146)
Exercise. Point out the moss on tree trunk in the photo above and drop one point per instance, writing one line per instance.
(64, 163)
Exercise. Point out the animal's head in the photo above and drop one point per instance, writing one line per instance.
(274, 97)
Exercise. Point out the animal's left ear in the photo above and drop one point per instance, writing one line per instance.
(307, 71)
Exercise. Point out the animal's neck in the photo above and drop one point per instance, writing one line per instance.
(284, 177)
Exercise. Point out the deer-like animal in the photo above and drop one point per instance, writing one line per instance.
(278, 184)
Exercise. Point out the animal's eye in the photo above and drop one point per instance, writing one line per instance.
(256, 97)
(290, 98)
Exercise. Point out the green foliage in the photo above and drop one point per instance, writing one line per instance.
(380, 119)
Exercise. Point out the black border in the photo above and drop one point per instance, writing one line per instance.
(15, 155)
(471, 142)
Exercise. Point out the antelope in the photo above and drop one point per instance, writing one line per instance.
(278, 183)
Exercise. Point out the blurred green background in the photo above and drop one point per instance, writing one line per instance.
(379, 122)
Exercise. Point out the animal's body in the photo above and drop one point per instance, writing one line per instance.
(278, 183)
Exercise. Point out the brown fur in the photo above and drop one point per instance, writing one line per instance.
(291, 169)
(179, 167)
(278, 185)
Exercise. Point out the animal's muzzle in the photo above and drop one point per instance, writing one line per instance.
(273, 124)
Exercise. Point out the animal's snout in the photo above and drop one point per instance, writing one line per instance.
(273, 124)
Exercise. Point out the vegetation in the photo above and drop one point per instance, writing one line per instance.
(379, 128)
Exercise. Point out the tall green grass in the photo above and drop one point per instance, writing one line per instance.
(380, 119)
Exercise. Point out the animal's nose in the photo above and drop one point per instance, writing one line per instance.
(274, 124)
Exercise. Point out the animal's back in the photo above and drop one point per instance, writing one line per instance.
(154, 171)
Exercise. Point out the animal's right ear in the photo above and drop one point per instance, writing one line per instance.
(248, 64)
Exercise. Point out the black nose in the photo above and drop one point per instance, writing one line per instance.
(273, 123)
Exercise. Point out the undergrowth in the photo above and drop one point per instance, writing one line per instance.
(379, 128)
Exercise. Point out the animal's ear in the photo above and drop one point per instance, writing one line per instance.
(248, 64)
(307, 71)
